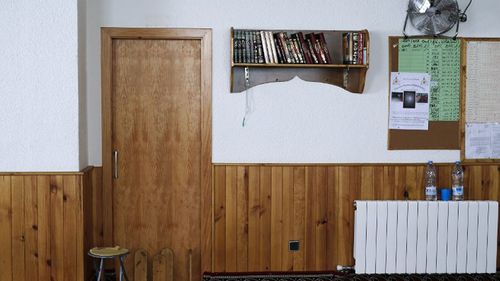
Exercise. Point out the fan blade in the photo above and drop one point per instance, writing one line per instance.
(435, 29)
(422, 23)
(419, 6)
(449, 5)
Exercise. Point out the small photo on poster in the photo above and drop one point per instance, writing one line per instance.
(409, 99)
(409, 102)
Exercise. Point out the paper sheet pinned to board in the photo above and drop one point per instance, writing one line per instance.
(483, 82)
(482, 140)
(440, 58)
(409, 101)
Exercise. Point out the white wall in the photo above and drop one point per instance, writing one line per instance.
(82, 83)
(39, 86)
(294, 121)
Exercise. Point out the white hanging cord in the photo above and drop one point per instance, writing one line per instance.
(248, 107)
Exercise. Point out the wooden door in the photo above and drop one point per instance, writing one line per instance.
(156, 156)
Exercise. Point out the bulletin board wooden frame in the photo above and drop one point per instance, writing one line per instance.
(440, 135)
(463, 94)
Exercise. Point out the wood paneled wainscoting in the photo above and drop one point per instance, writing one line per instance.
(259, 208)
(46, 225)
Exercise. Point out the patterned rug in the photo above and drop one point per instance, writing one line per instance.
(335, 276)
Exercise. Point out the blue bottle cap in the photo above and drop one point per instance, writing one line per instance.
(445, 194)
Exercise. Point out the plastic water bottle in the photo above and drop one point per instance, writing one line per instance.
(457, 182)
(430, 182)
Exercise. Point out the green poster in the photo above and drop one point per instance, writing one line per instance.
(441, 59)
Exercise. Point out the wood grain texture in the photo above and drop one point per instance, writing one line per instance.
(70, 225)
(156, 93)
(276, 217)
(169, 259)
(314, 204)
(42, 226)
(231, 218)
(242, 219)
(141, 265)
(220, 220)
(31, 228)
(44, 234)
(5, 229)
(160, 267)
(56, 227)
(18, 237)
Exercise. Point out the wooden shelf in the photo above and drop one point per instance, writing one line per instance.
(299, 65)
(350, 77)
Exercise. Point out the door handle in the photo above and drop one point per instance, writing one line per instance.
(115, 164)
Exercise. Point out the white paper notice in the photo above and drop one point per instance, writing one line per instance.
(477, 140)
(483, 83)
(482, 140)
(495, 141)
(409, 106)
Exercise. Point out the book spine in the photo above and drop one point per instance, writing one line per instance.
(283, 49)
(361, 38)
(241, 46)
(269, 47)
(350, 48)
(297, 48)
(355, 49)
(291, 50)
(279, 50)
(260, 52)
(319, 49)
(325, 48)
(273, 47)
(282, 36)
(305, 49)
(255, 54)
(345, 47)
(362, 48)
(251, 47)
(264, 47)
(296, 55)
(235, 46)
(365, 49)
(310, 46)
(247, 47)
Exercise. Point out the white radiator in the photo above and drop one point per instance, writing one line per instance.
(425, 237)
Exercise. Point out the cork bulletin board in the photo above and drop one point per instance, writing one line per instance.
(442, 57)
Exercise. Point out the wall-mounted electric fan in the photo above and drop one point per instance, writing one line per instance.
(434, 17)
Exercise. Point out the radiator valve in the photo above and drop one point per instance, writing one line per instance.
(344, 268)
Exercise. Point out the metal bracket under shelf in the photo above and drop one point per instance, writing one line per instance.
(348, 78)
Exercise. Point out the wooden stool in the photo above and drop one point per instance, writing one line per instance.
(109, 253)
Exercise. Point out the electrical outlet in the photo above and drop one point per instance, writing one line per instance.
(293, 245)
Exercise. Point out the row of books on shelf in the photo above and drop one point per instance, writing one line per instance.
(251, 46)
(354, 47)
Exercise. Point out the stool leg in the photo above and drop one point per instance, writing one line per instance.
(100, 270)
(122, 269)
(96, 269)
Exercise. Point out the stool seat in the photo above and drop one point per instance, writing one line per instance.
(103, 253)
(107, 252)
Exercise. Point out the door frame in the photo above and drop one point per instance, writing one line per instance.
(204, 35)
